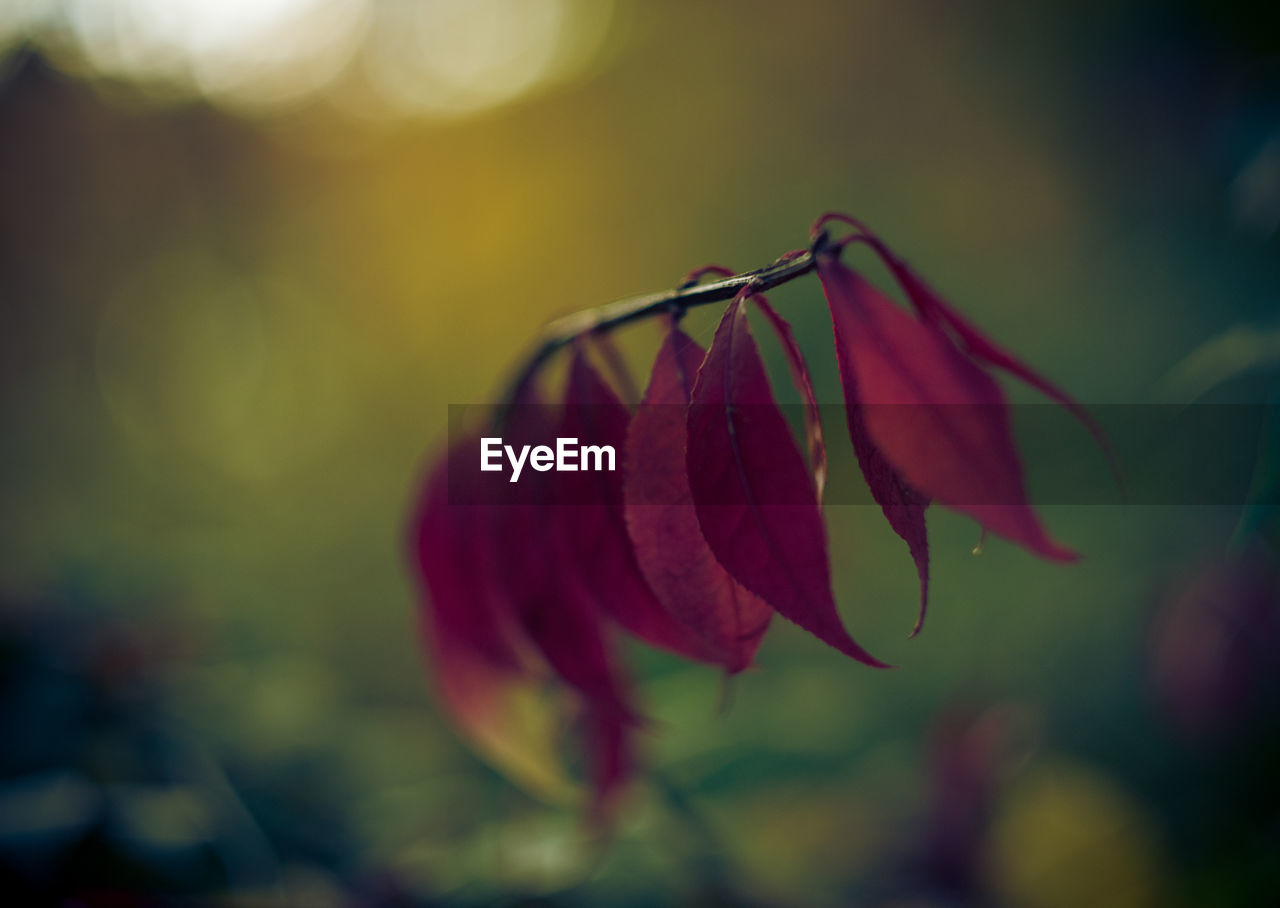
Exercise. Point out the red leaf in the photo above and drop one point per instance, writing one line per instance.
(755, 500)
(540, 581)
(669, 546)
(939, 420)
(600, 561)
(800, 376)
(451, 549)
(902, 505)
(549, 587)
(932, 307)
(485, 673)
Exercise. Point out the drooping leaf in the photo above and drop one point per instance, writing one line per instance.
(601, 561)
(753, 494)
(539, 576)
(938, 419)
(512, 720)
(485, 674)
(804, 384)
(669, 545)
(902, 505)
(545, 580)
(932, 307)
(450, 546)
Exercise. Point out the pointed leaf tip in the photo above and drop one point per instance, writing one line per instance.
(754, 498)
(939, 420)
(931, 306)
(902, 505)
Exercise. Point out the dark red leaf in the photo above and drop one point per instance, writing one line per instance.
(486, 674)
(546, 581)
(804, 384)
(540, 579)
(754, 496)
(451, 547)
(601, 563)
(671, 551)
(932, 307)
(902, 505)
(939, 420)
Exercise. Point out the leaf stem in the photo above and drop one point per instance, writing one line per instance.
(564, 331)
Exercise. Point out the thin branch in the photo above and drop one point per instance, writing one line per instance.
(564, 331)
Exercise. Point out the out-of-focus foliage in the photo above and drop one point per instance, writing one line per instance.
(250, 252)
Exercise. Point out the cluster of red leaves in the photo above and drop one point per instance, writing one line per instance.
(714, 522)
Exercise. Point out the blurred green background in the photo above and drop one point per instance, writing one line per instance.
(249, 254)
